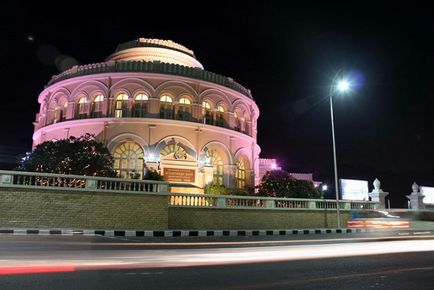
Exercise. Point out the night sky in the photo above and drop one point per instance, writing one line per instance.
(285, 52)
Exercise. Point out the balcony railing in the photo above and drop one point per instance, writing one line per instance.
(150, 67)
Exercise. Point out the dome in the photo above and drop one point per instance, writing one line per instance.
(149, 49)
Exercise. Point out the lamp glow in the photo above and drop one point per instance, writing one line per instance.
(343, 86)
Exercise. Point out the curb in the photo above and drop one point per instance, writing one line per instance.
(176, 233)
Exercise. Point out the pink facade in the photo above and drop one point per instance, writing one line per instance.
(153, 105)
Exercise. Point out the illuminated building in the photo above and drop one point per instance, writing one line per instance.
(154, 106)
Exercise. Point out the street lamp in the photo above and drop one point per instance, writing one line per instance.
(338, 85)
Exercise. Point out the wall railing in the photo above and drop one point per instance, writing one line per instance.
(78, 182)
(22, 179)
(227, 201)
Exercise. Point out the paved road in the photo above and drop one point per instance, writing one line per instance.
(312, 262)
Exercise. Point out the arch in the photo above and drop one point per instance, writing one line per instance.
(212, 94)
(132, 85)
(128, 159)
(227, 156)
(217, 155)
(89, 87)
(181, 88)
(125, 137)
(61, 93)
(243, 153)
(184, 143)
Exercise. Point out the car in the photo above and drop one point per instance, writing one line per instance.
(377, 219)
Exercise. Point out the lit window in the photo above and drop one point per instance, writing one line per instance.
(240, 175)
(177, 151)
(184, 101)
(184, 109)
(206, 113)
(166, 99)
(221, 117)
(166, 107)
(81, 112)
(121, 105)
(128, 160)
(237, 121)
(140, 106)
(97, 106)
(217, 163)
(61, 111)
(206, 105)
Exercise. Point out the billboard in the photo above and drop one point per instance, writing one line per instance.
(353, 189)
(428, 192)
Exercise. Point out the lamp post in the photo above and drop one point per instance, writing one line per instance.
(340, 86)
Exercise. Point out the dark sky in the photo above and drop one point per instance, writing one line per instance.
(285, 52)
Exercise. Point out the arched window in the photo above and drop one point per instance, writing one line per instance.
(178, 152)
(206, 113)
(221, 117)
(140, 105)
(166, 107)
(51, 113)
(121, 105)
(128, 160)
(237, 118)
(184, 109)
(213, 158)
(246, 124)
(80, 111)
(240, 175)
(61, 110)
(97, 106)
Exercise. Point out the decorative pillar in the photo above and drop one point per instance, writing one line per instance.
(416, 198)
(208, 175)
(378, 195)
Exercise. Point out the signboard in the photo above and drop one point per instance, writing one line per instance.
(354, 189)
(178, 175)
(428, 192)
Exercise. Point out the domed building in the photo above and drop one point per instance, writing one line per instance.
(154, 106)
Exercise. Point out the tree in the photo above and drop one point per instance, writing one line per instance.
(216, 188)
(279, 183)
(153, 175)
(80, 156)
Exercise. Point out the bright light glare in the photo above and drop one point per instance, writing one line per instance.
(273, 166)
(343, 86)
(324, 187)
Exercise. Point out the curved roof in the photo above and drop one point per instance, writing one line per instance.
(151, 42)
(149, 49)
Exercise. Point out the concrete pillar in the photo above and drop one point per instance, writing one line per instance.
(378, 195)
(208, 174)
(416, 197)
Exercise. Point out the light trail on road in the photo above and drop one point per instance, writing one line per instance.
(101, 259)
